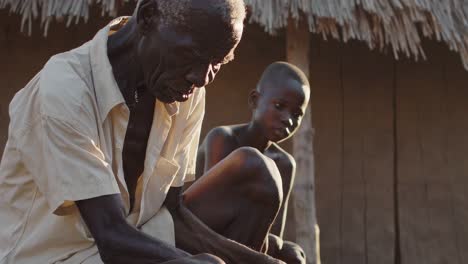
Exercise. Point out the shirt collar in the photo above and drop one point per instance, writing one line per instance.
(108, 94)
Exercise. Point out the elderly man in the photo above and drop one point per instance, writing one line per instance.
(103, 137)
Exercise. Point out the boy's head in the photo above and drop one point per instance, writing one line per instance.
(280, 100)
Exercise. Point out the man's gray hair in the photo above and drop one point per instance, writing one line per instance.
(175, 12)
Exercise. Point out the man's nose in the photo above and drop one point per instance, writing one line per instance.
(200, 75)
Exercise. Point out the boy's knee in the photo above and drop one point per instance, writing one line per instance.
(259, 178)
(261, 175)
(254, 163)
(250, 158)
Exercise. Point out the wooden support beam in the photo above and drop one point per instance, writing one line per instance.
(303, 200)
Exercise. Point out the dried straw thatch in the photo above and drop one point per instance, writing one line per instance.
(400, 24)
(59, 9)
(397, 23)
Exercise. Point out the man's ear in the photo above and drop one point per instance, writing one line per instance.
(253, 98)
(146, 15)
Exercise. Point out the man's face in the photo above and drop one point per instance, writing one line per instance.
(175, 61)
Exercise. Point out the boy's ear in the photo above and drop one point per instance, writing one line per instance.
(253, 98)
(146, 15)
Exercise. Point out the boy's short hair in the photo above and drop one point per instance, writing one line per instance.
(279, 71)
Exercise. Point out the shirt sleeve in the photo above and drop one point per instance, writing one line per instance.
(66, 164)
(186, 155)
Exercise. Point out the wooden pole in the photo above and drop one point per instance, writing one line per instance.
(303, 200)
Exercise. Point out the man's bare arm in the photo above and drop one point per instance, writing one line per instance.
(117, 241)
(196, 237)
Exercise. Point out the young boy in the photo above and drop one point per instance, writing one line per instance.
(278, 105)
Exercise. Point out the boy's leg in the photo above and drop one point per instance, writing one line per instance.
(239, 197)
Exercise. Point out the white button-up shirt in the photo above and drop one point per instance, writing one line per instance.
(65, 143)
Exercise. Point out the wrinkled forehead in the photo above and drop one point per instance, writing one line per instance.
(212, 28)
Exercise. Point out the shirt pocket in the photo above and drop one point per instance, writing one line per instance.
(156, 188)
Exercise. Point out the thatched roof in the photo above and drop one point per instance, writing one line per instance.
(400, 24)
(47, 10)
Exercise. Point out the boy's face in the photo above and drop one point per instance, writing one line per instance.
(280, 108)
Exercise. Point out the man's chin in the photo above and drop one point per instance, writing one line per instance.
(163, 97)
(166, 99)
(169, 99)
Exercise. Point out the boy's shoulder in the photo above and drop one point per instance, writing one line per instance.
(224, 135)
(221, 131)
(225, 132)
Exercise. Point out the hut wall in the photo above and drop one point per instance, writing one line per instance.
(390, 151)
